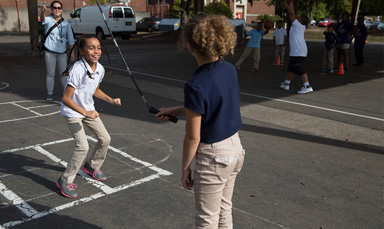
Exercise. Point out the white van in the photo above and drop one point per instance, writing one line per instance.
(88, 20)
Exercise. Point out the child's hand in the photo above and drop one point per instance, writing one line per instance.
(186, 179)
(116, 102)
(92, 114)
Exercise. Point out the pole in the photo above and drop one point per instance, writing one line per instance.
(33, 24)
(355, 10)
(18, 14)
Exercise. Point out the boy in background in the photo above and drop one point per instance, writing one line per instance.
(279, 39)
(253, 46)
(331, 41)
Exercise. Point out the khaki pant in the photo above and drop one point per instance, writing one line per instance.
(327, 59)
(280, 51)
(256, 57)
(215, 173)
(99, 153)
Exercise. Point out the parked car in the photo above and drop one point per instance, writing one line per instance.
(326, 22)
(88, 20)
(169, 24)
(313, 22)
(367, 23)
(377, 25)
(148, 24)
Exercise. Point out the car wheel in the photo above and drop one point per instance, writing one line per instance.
(150, 29)
(100, 33)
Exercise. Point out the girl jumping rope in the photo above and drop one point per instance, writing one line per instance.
(83, 81)
(212, 109)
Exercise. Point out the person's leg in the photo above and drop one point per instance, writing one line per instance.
(245, 54)
(81, 150)
(330, 59)
(339, 56)
(282, 53)
(277, 51)
(50, 62)
(61, 66)
(304, 78)
(256, 58)
(98, 155)
(325, 60)
(345, 57)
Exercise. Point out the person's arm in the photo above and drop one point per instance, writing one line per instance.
(191, 142)
(173, 111)
(67, 100)
(274, 40)
(101, 95)
(291, 10)
(42, 13)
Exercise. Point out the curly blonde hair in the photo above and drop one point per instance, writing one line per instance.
(211, 35)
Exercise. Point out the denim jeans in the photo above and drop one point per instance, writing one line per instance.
(51, 60)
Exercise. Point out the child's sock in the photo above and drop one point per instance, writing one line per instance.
(306, 84)
(287, 81)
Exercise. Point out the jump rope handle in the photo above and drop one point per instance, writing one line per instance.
(155, 111)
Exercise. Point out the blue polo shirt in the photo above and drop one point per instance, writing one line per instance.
(214, 93)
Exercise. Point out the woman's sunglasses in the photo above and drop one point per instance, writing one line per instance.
(57, 8)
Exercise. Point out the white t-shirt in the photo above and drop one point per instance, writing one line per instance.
(297, 44)
(279, 35)
(84, 86)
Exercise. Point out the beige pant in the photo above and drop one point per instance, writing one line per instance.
(99, 153)
(256, 57)
(215, 173)
(327, 59)
(280, 51)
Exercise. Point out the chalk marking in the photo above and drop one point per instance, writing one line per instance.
(269, 98)
(17, 201)
(81, 201)
(279, 225)
(37, 114)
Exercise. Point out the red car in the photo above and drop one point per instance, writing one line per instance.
(326, 22)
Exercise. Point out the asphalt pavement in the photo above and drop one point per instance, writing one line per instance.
(312, 161)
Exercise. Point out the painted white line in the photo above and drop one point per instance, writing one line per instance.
(269, 98)
(37, 115)
(144, 163)
(316, 107)
(81, 201)
(17, 201)
(3, 85)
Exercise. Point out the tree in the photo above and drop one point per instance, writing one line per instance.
(220, 8)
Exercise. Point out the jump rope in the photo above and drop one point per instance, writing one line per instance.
(152, 110)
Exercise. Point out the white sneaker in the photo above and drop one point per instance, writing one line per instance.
(284, 86)
(305, 90)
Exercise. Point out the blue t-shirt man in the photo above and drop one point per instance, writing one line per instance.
(214, 93)
(256, 36)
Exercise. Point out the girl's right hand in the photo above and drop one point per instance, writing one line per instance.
(91, 114)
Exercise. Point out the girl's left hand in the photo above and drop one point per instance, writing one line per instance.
(116, 102)
(186, 179)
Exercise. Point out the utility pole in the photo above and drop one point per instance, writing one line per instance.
(355, 10)
(33, 24)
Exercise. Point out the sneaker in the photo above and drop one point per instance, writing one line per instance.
(66, 189)
(256, 70)
(97, 175)
(284, 86)
(305, 90)
(49, 97)
(330, 71)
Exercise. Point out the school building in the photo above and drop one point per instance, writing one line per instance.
(14, 13)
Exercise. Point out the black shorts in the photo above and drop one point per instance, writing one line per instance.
(296, 65)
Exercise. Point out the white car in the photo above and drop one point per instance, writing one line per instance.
(88, 20)
(313, 22)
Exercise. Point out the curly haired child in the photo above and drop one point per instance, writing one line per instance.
(212, 110)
